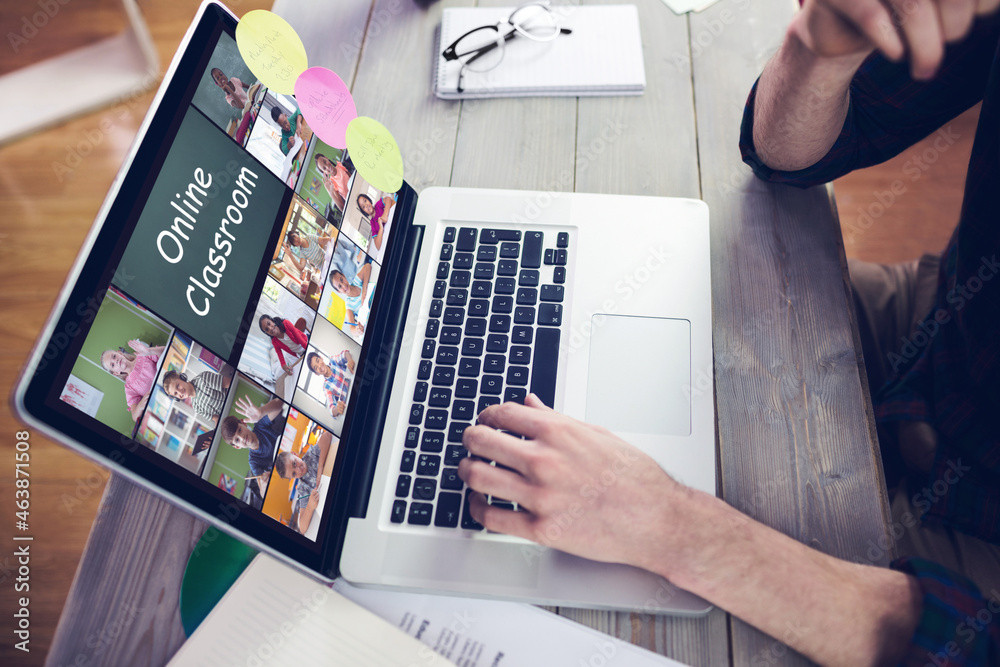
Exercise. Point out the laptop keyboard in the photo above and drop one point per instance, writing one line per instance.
(492, 335)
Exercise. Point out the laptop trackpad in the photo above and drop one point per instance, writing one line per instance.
(639, 380)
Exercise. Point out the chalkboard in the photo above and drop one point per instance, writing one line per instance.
(209, 98)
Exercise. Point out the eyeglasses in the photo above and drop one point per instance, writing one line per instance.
(482, 49)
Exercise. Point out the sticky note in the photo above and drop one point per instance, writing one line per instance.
(271, 49)
(375, 154)
(326, 104)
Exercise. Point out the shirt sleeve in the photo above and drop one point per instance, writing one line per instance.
(889, 111)
(340, 361)
(958, 625)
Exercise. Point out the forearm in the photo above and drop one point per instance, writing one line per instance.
(801, 103)
(833, 611)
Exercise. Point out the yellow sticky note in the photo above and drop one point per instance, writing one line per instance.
(271, 49)
(375, 154)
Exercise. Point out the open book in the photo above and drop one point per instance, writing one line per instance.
(602, 55)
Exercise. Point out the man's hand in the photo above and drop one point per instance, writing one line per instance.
(917, 29)
(585, 490)
(245, 407)
(350, 363)
(338, 409)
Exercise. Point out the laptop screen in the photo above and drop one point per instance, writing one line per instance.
(220, 347)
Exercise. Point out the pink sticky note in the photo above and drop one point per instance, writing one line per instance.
(326, 104)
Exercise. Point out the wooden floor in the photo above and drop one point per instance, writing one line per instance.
(43, 220)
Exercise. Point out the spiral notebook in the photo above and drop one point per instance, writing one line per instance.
(602, 55)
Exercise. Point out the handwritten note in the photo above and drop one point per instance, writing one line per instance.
(271, 49)
(326, 104)
(375, 153)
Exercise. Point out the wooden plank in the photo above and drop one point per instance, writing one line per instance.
(796, 437)
(123, 607)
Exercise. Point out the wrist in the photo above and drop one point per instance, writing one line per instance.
(807, 54)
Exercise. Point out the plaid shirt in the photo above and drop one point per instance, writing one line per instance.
(337, 386)
(948, 373)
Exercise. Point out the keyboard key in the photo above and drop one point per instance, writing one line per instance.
(435, 419)
(494, 363)
(416, 413)
(562, 240)
(520, 354)
(486, 254)
(406, 464)
(517, 376)
(468, 367)
(455, 431)
(475, 326)
(457, 297)
(507, 267)
(484, 271)
(527, 296)
(463, 260)
(479, 308)
(449, 234)
(428, 464)
(496, 343)
(499, 323)
(524, 315)
(550, 314)
(472, 347)
(550, 256)
(424, 370)
(531, 256)
(433, 441)
(403, 486)
(447, 355)
(449, 509)
(398, 511)
(453, 454)
(494, 236)
(510, 250)
(559, 274)
(437, 305)
(412, 436)
(424, 489)
(454, 316)
(468, 523)
(460, 279)
(543, 371)
(521, 335)
(446, 250)
(420, 514)
(505, 286)
(503, 304)
(431, 330)
(439, 289)
(444, 268)
(440, 397)
(463, 411)
(528, 278)
(428, 350)
(451, 335)
(491, 385)
(450, 480)
(481, 289)
(466, 240)
(515, 394)
(420, 392)
(551, 293)
(466, 388)
(487, 401)
(502, 504)
(562, 256)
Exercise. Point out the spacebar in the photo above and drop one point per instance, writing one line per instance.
(543, 373)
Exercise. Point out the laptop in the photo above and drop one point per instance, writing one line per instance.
(263, 337)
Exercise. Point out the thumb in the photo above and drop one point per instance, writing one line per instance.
(533, 401)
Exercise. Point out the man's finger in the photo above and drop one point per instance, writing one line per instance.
(494, 481)
(986, 6)
(494, 445)
(500, 520)
(921, 26)
(873, 20)
(523, 419)
(956, 18)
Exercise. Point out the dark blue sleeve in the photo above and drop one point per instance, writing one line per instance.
(889, 111)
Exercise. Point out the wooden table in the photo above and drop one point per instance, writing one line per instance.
(796, 438)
